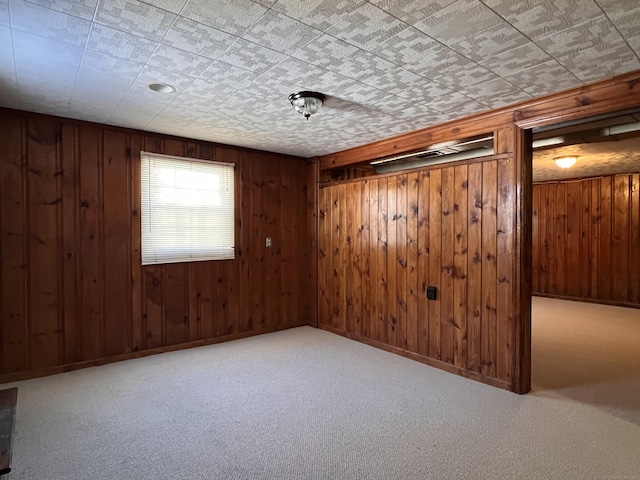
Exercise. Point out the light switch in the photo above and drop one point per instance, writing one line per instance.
(267, 242)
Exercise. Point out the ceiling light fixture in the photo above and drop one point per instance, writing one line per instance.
(565, 162)
(162, 87)
(307, 103)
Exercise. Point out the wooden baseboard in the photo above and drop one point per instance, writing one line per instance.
(17, 376)
(447, 367)
(587, 300)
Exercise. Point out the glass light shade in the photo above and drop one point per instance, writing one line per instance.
(306, 103)
(565, 162)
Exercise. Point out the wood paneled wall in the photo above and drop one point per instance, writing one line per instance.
(73, 291)
(383, 240)
(586, 239)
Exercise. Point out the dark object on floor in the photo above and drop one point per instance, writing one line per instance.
(8, 399)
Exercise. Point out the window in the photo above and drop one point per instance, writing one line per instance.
(187, 209)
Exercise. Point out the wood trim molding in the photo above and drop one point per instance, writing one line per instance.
(609, 95)
(25, 375)
(447, 367)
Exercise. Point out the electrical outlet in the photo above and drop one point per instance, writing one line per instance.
(432, 293)
(267, 242)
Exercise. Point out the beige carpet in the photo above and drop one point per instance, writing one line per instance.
(306, 404)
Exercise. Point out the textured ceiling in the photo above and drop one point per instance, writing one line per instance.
(388, 66)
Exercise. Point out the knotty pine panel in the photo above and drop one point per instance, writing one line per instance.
(73, 290)
(586, 239)
(452, 227)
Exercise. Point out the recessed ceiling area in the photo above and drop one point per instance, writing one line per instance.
(605, 146)
(387, 67)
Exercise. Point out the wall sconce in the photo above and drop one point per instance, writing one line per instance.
(565, 162)
(307, 103)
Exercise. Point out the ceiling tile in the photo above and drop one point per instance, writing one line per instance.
(251, 56)
(395, 80)
(495, 93)
(7, 63)
(228, 75)
(135, 17)
(120, 44)
(544, 78)
(78, 8)
(364, 94)
(325, 51)
(402, 107)
(591, 50)
(295, 72)
(463, 108)
(4, 13)
(102, 64)
(412, 11)
(366, 27)
(40, 55)
(459, 20)
(456, 76)
(539, 18)
(487, 43)
(206, 90)
(231, 17)
(179, 61)
(361, 65)
(519, 58)
(174, 6)
(279, 32)
(410, 46)
(320, 14)
(432, 94)
(197, 38)
(151, 74)
(625, 15)
(48, 23)
(111, 89)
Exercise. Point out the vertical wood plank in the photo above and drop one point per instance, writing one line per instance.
(90, 252)
(489, 267)
(365, 259)
(535, 247)
(585, 232)
(341, 293)
(356, 244)
(606, 241)
(14, 242)
(413, 209)
(435, 261)
(116, 211)
(401, 260)
(138, 322)
(573, 239)
(475, 263)
(257, 225)
(620, 246)
(374, 264)
(70, 200)
(349, 264)
(44, 216)
(423, 237)
(324, 255)
(447, 253)
(392, 259)
(460, 267)
(505, 268)
(382, 284)
(596, 219)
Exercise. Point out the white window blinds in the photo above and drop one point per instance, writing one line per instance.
(187, 209)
